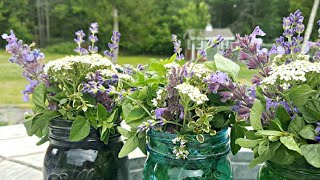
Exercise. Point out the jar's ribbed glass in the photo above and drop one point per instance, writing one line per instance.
(88, 159)
(303, 170)
(206, 160)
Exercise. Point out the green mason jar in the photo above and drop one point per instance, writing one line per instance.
(207, 160)
(273, 171)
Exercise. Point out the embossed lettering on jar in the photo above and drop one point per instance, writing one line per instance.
(207, 160)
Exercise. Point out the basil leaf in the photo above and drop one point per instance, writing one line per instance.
(80, 129)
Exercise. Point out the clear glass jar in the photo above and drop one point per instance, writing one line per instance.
(270, 170)
(88, 159)
(207, 160)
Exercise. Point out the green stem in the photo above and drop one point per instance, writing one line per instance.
(171, 122)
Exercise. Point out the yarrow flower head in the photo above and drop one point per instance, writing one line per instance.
(193, 93)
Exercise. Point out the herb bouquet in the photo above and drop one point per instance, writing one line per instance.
(186, 108)
(76, 104)
(285, 116)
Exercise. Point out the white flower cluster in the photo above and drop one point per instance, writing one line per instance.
(93, 60)
(293, 72)
(112, 71)
(199, 70)
(180, 151)
(193, 93)
(156, 100)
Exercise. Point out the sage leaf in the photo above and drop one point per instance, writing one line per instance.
(135, 114)
(102, 113)
(80, 129)
(248, 143)
(237, 132)
(296, 125)
(283, 116)
(290, 143)
(300, 94)
(268, 133)
(307, 132)
(255, 115)
(226, 65)
(312, 154)
(131, 144)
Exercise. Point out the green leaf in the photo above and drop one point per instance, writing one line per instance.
(300, 94)
(210, 65)
(131, 144)
(290, 143)
(135, 114)
(113, 117)
(38, 98)
(276, 125)
(200, 138)
(40, 123)
(63, 101)
(80, 129)
(43, 140)
(124, 132)
(312, 154)
(283, 156)
(143, 144)
(237, 132)
(296, 125)
(266, 155)
(226, 65)
(283, 116)
(248, 143)
(268, 133)
(255, 115)
(102, 113)
(159, 68)
(307, 132)
(126, 109)
(143, 93)
(311, 111)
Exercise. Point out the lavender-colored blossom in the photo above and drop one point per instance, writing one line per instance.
(93, 49)
(159, 112)
(93, 38)
(257, 32)
(202, 53)
(317, 132)
(30, 60)
(94, 28)
(215, 41)
(115, 39)
(216, 81)
(176, 46)
(140, 67)
(79, 40)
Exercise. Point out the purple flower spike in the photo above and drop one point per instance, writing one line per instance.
(177, 48)
(257, 32)
(94, 28)
(159, 112)
(115, 39)
(202, 53)
(215, 41)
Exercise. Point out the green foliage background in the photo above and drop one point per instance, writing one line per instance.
(147, 25)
